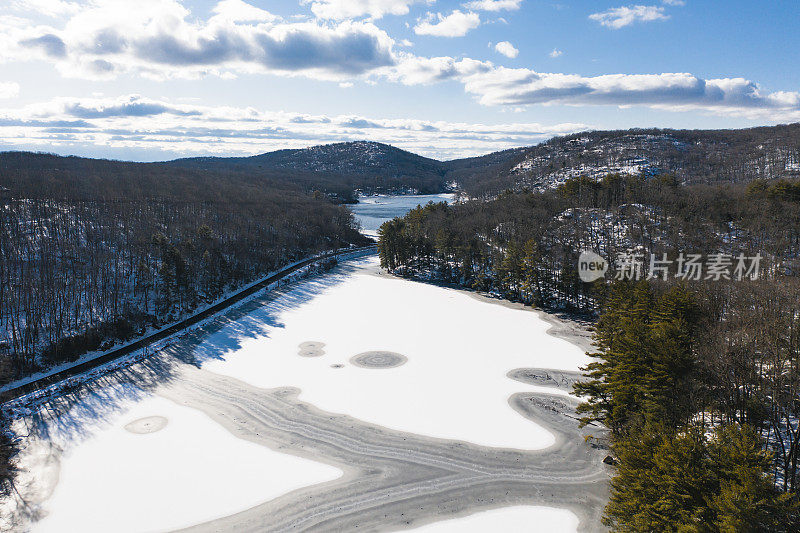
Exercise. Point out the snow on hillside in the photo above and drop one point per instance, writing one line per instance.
(692, 156)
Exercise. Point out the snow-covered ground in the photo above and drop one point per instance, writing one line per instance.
(507, 519)
(459, 351)
(188, 471)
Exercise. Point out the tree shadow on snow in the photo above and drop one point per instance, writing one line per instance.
(78, 413)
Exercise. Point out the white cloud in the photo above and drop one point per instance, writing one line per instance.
(415, 70)
(501, 86)
(9, 90)
(674, 2)
(160, 39)
(348, 9)
(175, 129)
(619, 17)
(507, 49)
(456, 24)
(49, 44)
(493, 5)
(556, 53)
(669, 91)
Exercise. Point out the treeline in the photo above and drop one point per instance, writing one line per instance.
(525, 246)
(91, 256)
(698, 380)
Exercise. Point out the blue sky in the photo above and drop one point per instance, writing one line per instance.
(158, 79)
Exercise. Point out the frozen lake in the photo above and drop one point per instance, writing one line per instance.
(457, 348)
(407, 356)
(372, 211)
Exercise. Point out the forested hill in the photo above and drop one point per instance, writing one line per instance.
(693, 156)
(96, 252)
(337, 170)
(368, 166)
(27, 171)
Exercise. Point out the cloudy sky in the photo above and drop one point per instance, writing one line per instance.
(159, 79)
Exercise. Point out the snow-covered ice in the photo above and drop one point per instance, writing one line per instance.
(191, 471)
(508, 519)
(459, 351)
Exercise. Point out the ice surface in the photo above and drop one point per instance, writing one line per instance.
(190, 471)
(507, 520)
(459, 350)
(453, 386)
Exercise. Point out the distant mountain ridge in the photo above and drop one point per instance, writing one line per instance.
(693, 156)
(373, 166)
(356, 157)
(341, 170)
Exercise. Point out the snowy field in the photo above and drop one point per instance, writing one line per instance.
(458, 349)
(154, 466)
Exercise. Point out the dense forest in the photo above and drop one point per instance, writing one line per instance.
(699, 387)
(525, 246)
(698, 377)
(90, 255)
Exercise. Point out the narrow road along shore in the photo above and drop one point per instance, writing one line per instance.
(38, 384)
